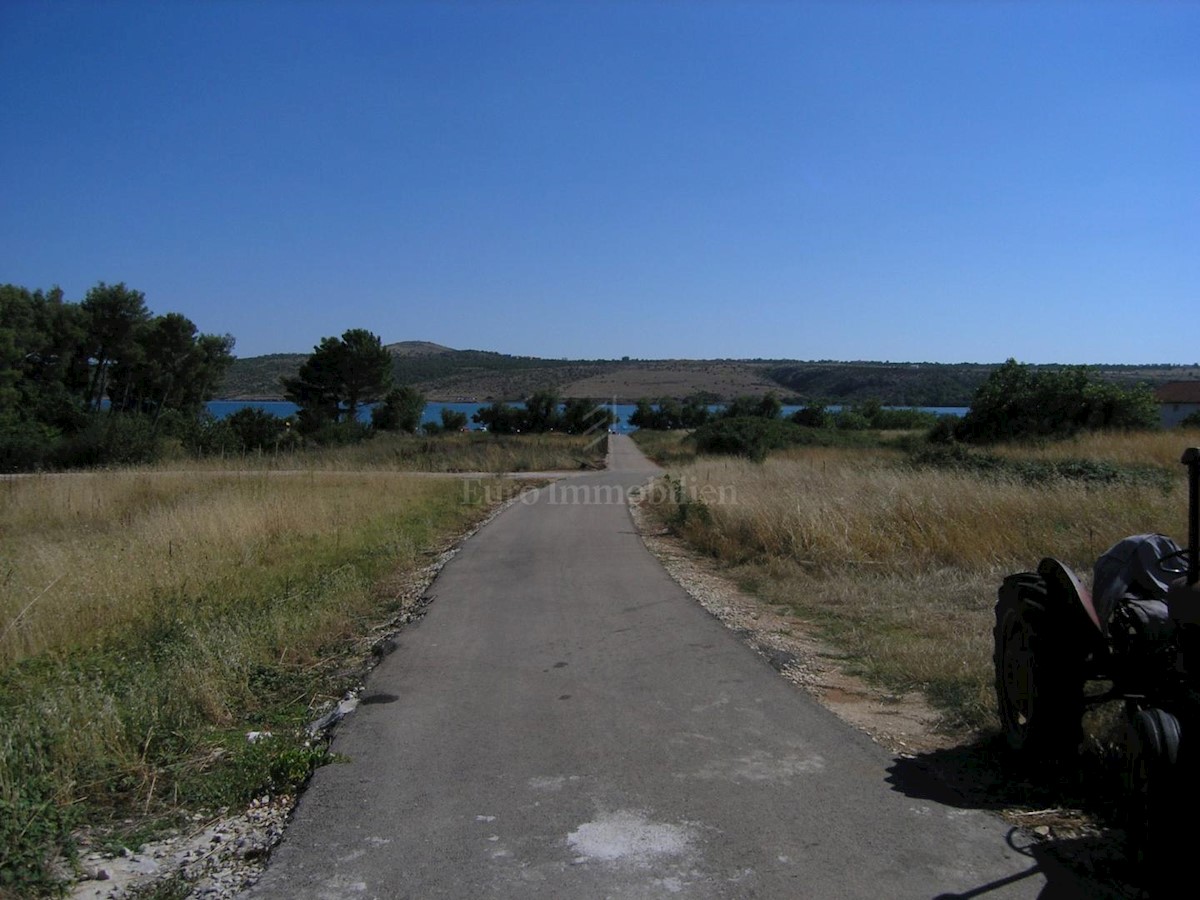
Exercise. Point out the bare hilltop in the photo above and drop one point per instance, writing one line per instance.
(447, 375)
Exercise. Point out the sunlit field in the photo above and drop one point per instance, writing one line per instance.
(151, 618)
(899, 564)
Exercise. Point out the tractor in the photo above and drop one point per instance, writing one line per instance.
(1134, 637)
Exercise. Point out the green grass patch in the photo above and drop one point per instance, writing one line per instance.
(665, 447)
(129, 727)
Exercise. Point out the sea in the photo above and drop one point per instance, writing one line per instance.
(433, 411)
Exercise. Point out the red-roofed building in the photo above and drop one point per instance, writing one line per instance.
(1176, 401)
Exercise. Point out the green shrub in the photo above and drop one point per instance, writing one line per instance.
(815, 415)
(400, 410)
(25, 445)
(110, 439)
(257, 429)
(749, 436)
(1017, 403)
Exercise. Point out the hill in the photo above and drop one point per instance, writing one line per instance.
(446, 374)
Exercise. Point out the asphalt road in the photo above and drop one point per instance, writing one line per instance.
(567, 723)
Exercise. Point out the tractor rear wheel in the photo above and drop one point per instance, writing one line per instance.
(1039, 670)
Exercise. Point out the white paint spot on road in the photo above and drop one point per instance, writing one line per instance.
(628, 836)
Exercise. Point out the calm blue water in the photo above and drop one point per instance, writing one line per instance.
(433, 411)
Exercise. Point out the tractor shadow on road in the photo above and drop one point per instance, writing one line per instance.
(1060, 820)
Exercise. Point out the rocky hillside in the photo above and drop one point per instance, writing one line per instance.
(446, 374)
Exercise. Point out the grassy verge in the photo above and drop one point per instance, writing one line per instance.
(151, 620)
(667, 448)
(898, 564)
(469, 452)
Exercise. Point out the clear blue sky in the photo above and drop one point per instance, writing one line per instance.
(943, 181)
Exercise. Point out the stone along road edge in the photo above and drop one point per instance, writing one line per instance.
(566, 722)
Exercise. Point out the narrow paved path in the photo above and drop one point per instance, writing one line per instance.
(567, 723)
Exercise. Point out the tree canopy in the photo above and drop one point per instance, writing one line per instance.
(64, 364)
(543, 411)
(667, 413)
(340, 374)
(401, 410)
(1017, 402)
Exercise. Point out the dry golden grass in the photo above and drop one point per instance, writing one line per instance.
(150, 618)
(900, 565)
(828, 508)
(1147, 448)
(86, 555)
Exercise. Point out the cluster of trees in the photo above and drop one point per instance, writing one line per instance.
(669, 414)
(545, 411)
(1019, 402)
(1015, 402)
(694, 412)
(868, 415)
(101, 380)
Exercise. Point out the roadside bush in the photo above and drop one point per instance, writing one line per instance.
(110, 439)
(749, 436)
(25, 446)
(257, 429)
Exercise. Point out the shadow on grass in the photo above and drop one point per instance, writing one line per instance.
(1082, 856)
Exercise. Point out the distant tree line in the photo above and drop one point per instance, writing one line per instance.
(544, 411)
(694, 412)
(1015, 402)
(100, 381)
